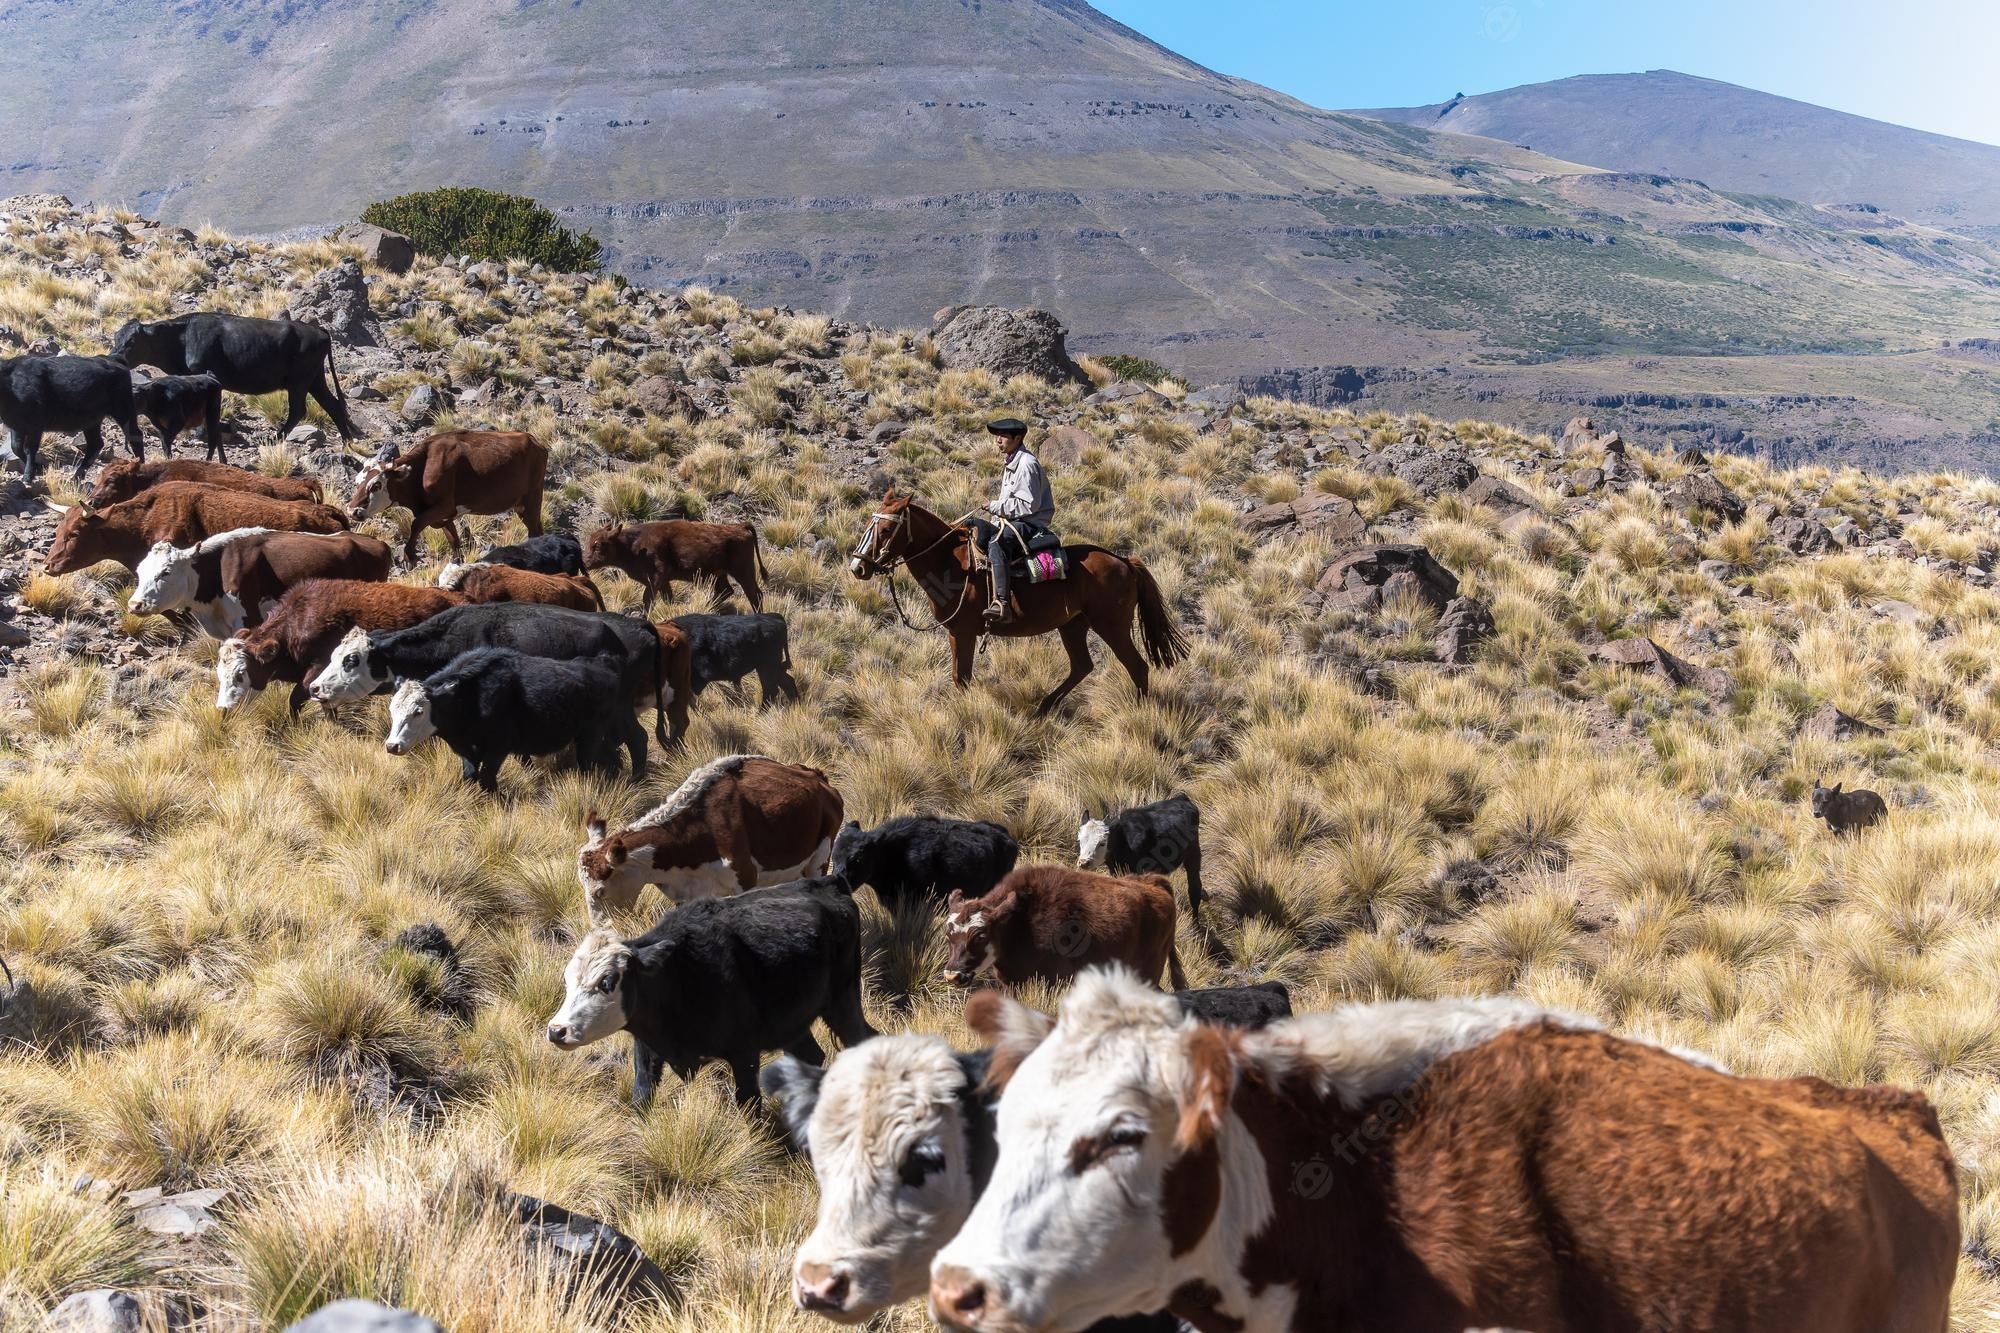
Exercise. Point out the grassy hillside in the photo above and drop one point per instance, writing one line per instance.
(206, 904)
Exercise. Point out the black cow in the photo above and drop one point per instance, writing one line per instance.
(494, 702)
(722, 979)
(1239, 1006)
(245, 355)
(728, 648)
(174, 403)
(1155, 839)
(922, 854)
(40, 394)
(550, 553)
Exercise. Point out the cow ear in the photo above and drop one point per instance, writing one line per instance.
(1010, 1028)
(616, 855)
(953, 901)
(1000, 904)
(593, 827)
(1210, 1083)
(794, 1086)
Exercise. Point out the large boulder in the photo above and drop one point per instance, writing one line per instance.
(1005, 342)
(1428, 470)
(1367, 577)
(104, 1310)
(1700, 490)
(1502, 496)
(1801, 536)
(381, 247)
(586, 1252)
(1465, 624)
(1064, 446)
(359, 1316)
(336, 299)
(663, 397)
(1830, 724)
(1320, 511)
(1646, 656)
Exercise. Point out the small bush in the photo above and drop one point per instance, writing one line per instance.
(1139, 370)
(487, 225)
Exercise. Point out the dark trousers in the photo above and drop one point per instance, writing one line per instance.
(1002, 545)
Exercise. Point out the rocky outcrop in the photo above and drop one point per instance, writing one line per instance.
(336, 299)
(1501, 496)
(1646, 656)
(1320, 511)
(1801, 536)
(381, 247)
(664, 397)
(1425, 469)
(1465, 624)
(1004, 342)
(1701, 491)
(1367, 578)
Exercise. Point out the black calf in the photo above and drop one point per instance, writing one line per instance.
(923, 854)
(1155, 839)
(64, 394)
(550, 553)
(1239, 1006)
(246, 356)
(174, 403)
(728, 648)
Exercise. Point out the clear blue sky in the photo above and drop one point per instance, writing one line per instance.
(1931, 64)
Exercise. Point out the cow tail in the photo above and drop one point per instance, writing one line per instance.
(1165, 644)
(1175, 976)
(338, 392)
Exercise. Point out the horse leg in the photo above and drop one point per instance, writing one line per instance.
(1076, 638)
(963, 646)
(1117, 637)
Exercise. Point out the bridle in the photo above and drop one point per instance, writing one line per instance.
(865, 554)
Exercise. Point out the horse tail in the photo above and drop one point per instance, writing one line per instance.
(1165, 644)
(757, 552)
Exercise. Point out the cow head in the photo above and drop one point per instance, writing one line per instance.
(137, 344)
(78, 543)
(969, 926)
(849, 854)
(607, 548)
(116, 482)
(603, 867)
(166, 580)
(351, 672)
(593, 1004)
(1093, 842)
(371, 484)
(233, 673)
(1112, 1168)
(412, 719)
(452, 576)
(885, 1127)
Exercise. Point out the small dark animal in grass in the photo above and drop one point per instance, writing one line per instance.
(245, 355)
(1051, 922)
(454, 473)
(233, 579)
(1846, 811)
(722, 979)
(1249, 1007)
(915, 856)
(481, 582)
(728, 648)
(40, 395)
(124, 480)
(1155, 839)
(174, 403)
(657, 554)
(494, 702)
(550, 553)
(297, 638)
(180, 512)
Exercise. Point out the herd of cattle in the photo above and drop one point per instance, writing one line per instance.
(1144, 1158)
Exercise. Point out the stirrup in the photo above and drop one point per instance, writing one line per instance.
(998, 613)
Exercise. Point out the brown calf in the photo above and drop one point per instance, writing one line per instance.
(1434, 1166)
(120, 481)
(458, 472)
(1052, 922)
(296, 639)
(181, 512)
(655, 554)
(503, 583)
(736, 823)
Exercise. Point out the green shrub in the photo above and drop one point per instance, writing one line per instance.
(1139, 370)
(487, 225)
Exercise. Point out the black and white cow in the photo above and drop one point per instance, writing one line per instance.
(1155, 839)
(922, 854)
(901, 1135)
(40, 395)
(722, 979)
(490, 703)
(728, 648)
(174, 403)
(245, 355)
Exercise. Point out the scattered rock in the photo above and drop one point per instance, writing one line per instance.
(381, 247)
(359, 1316)
(1366, 578)
(1579, 432)
(663, 397)
(13, 636)
(1064, 446)
(1645, 655)
(1501, 496)
(1466, 883)
(1801, 536)
(588, 1252)
(1465, 624)
(1125, 391)
(1830, 724)
(1715, 569)
(1426, 470)
(1585, 480)
(427, 939)
(1320, 511)
(306, 437)
(422, 405)
(188, 1213)
(1005, 342)
(1847, 532)
(104, 1310)
(1700, 490)
(1690, 455)
(336, 299)
(1215, 399)
(1902, 613)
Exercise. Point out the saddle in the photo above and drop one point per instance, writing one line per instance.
(1045, 561)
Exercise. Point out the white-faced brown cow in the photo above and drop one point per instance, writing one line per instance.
(449, 475)
(736, 823)
(1433, 1166)
(233, 579)
(296, 639)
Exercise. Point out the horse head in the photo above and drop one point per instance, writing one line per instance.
(885, 542)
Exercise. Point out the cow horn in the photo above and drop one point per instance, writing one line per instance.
(9, 971)
(60, 509)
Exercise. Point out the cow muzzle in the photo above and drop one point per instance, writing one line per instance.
(398, 747)
(822, 1289)
(560, 1035)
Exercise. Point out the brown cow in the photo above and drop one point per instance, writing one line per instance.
(1052, 922)
(738, 822)
(231, 579)
(481, 582)
(180, 512)
(295, 640)
(1433, 1166)
(655, 554)
(455, 473)
(120, 481)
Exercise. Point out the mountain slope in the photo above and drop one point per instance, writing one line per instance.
(1734, 139)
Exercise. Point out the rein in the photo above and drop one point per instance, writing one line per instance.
(888, 568)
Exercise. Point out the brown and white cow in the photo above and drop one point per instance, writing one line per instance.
(1051, 922)
(1432, 1166)
(656, 554)
(736, 823)
(181, 512)
(233, 579)
(296, 639)
(454, 473)
(482, 582)
(121, 480)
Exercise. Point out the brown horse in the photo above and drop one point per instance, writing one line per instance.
(1101, 593)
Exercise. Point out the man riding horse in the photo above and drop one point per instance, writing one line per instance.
(1025, 507)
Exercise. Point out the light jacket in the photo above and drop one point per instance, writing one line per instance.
(1024, 491)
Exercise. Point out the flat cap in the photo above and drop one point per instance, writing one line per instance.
(1008, 426)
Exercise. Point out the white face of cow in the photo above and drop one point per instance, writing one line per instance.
(166, 580)
(593, 1004)
(347, 674)
(371, 493)
(1092, 841)
(1075, 1224)
(410, 720)
(232, 674)
(889, 1145)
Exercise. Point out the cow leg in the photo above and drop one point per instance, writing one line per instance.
(93, 444)
(135, 439)
(489, 772)
(298, 698)
(295, 411)
(746, 578)
(30, 443)
(647, 1066)
(807, 1048)
(531, 512)
(1075, 638)
(744, 1070)
(437, 516)
(635, 748)
(332, 406)
(167, 434)
(468, 769)
(1193, 867)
